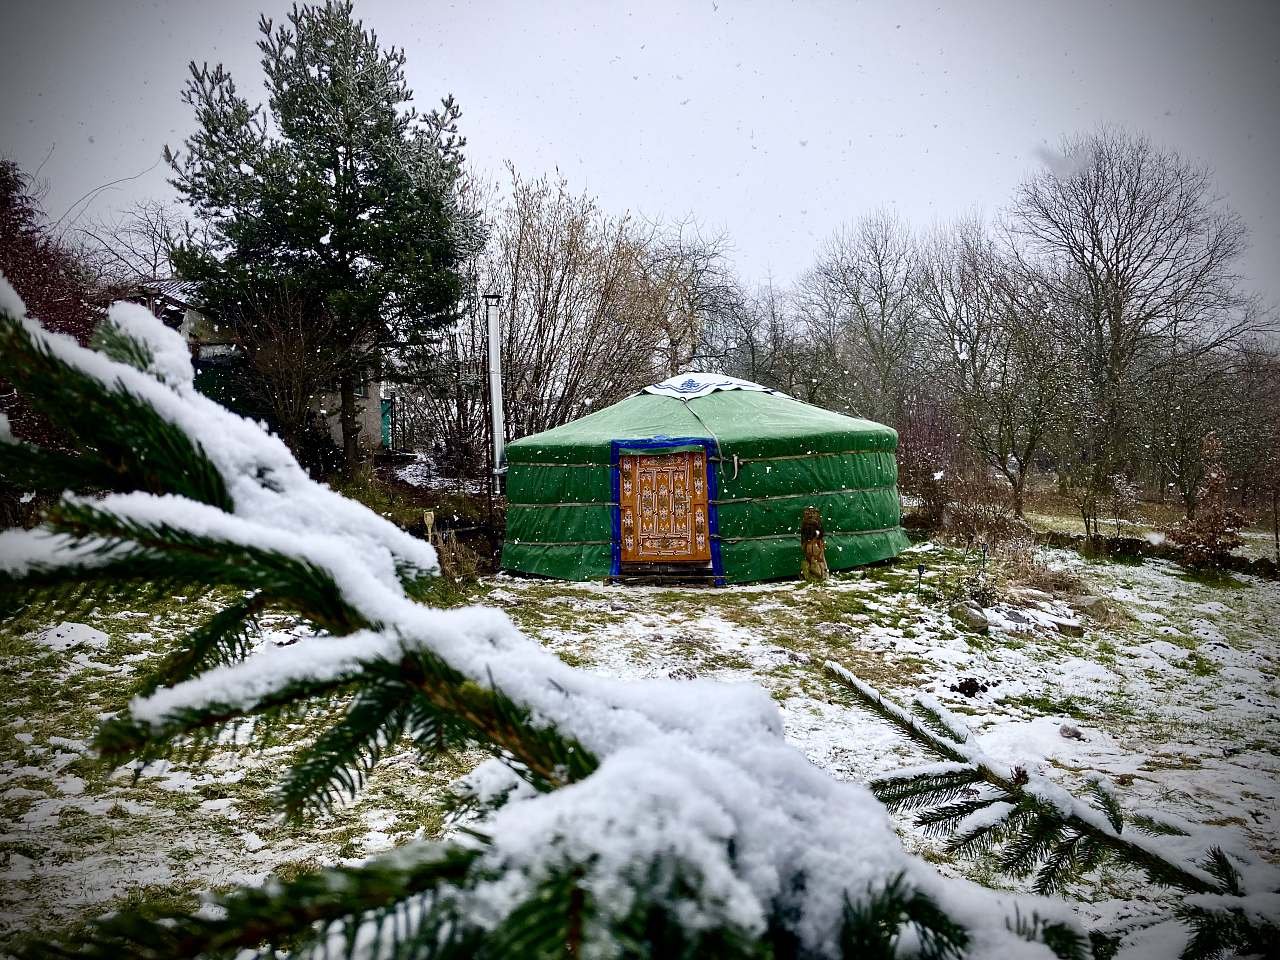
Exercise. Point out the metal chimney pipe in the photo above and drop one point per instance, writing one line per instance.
(491, 301)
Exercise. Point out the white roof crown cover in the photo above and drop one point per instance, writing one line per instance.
(687, 386)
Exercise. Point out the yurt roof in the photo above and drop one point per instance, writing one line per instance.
(746, 419)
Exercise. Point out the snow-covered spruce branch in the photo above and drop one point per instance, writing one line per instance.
(656, 818)
(396, 691)
(122, 440)
(248, 917)
(980, 805)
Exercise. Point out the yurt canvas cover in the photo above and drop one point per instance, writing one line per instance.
(767, 456)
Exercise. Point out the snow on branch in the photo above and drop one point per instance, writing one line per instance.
(674, 796)
(985, 807)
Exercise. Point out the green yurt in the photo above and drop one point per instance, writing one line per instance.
(704, 476)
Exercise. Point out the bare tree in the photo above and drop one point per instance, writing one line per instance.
(1252, 432)
(444, 412)
(690, 294)
(930, 449)
(574, 336)
(133, 249)
(1187, 397)
(860, 308)
(1264, 464)
(993, 347)
(1143, 257)
(578, 329)
(762, 341)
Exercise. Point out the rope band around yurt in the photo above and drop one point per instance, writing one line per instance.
(715, 459)
(720, 502)
(715, 536)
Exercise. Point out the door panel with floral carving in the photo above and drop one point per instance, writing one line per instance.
(663, 508)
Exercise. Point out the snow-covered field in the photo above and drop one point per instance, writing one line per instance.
(1166, 683)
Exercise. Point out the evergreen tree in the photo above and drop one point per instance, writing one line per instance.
(337, 189)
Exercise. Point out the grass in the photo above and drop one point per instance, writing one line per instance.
(120, 827)
(871, 620)
(802, 624)
(1200, 666)
(383, 499)
(1049, 510)
(1219, 579)
(1049, 706)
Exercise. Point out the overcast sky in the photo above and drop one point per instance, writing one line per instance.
(774, 122)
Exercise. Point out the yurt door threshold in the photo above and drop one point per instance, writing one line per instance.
(664, 510)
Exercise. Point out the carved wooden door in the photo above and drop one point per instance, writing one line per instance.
(663, 508)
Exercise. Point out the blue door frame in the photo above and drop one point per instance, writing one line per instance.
(657, 445)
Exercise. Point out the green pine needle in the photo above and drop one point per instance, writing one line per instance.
(1060, 866)
(1024, 851)
(1217, 865)
(223, 639)
(1154, 826)
(337, 763)
(298, 913)
(26, 467)
(122, 737)
(113, 342)
(936, 722)
(925, 791)
(945, 819)
(978, 841)
(1227, 932)
(1062, 847)
(120, 432)
(549, 925)
(1065, 942)
(139, 549)
(1104, 800)
(872, 927)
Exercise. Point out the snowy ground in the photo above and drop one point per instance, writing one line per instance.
(1169, 686)
(1170, 689)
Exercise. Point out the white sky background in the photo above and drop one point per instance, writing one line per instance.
(774, 122)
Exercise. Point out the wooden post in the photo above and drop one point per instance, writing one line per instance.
(813, 565)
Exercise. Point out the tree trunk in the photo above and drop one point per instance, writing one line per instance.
(1275, 519)
(349, 422)
(813, 564)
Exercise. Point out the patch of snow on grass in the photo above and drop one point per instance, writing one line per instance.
(67, 635)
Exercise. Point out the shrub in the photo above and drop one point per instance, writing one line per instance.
(1207, 538)
(980, 510)
(1123, 500)
(1022, 564)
